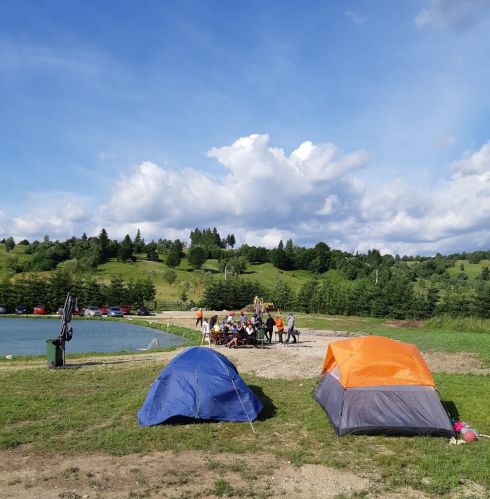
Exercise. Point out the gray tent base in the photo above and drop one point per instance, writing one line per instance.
(402, 410)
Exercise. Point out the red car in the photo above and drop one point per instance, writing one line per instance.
(41, 310)
(103, 309)
(126, 309)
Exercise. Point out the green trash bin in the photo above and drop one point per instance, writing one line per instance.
(55, 353)
(261, 335)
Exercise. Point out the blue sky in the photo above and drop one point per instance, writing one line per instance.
(166, 116)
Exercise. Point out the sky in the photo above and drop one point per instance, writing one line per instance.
(363, 124)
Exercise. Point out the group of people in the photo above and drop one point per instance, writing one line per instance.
(240, 329)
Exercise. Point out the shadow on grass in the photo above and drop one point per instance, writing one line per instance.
(451, 408)
(269, 410)
(212, 271)
(77, 366)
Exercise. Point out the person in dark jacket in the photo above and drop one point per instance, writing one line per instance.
(269, 326)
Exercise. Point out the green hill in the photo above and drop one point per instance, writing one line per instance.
(265, 273)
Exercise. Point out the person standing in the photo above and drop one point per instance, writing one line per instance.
(206, 333)
(243, 318)
(291, 328)
(280, 329)
(199, 317)
(269, 326)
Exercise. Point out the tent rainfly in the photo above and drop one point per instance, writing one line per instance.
(378, 386)
(196, 386)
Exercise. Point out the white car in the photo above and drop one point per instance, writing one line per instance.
(92, 312)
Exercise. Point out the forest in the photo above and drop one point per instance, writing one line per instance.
(338, 283)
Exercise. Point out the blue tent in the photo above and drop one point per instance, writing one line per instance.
(199, 385)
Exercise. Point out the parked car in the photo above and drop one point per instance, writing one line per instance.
(40, 310)
(91, 311)
(115, 312)
(3, 309)
(125, 308)
(81, 310)
(142, 311)
(21, 309)
(103, 309)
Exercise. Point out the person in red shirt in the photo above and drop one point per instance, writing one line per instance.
(280, 328)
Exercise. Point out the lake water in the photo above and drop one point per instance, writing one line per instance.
(28, 336)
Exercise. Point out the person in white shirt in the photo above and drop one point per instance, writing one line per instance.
(206, 334)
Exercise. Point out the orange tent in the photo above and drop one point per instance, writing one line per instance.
(375, 385)
(377, 361)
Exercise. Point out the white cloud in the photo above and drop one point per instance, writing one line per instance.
(456, 14)
(2, 223)
(265, 195)
(264, 186)
(74, 213)
(329, 206)
(472, 164)
(355, 17)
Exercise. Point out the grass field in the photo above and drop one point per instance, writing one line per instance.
(17, 252)
(265, 273)
(472, 270)
(48, 411)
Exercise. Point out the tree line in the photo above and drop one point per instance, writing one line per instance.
(52, 291)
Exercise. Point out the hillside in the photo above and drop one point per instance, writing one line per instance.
(265, 273)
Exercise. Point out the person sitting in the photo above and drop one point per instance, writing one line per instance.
(241, 334)
(251, 335)
(226, 334)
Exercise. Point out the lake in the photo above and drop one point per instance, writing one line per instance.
(28, 336)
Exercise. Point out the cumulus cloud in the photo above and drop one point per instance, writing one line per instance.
(472, 164)
(263, 186)
(265, 195)
(453, 14)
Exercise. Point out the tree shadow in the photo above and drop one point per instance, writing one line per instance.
(269, 410)
(212, 271)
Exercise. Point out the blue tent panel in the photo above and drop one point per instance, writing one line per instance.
(198, 385)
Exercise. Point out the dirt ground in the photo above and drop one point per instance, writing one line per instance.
(180, 476)
(199, 474)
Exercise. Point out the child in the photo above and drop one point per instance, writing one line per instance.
(205, 332)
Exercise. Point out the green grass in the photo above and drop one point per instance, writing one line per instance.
(18, 252)
(472, 270)
(67, 411)
(64, 411)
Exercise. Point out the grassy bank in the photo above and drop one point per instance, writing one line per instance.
(63, 411)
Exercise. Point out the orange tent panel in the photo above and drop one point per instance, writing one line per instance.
(377, 361)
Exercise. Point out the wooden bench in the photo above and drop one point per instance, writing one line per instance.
(285, 336)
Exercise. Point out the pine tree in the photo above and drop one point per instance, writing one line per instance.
(104, 243)
(125, 250)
